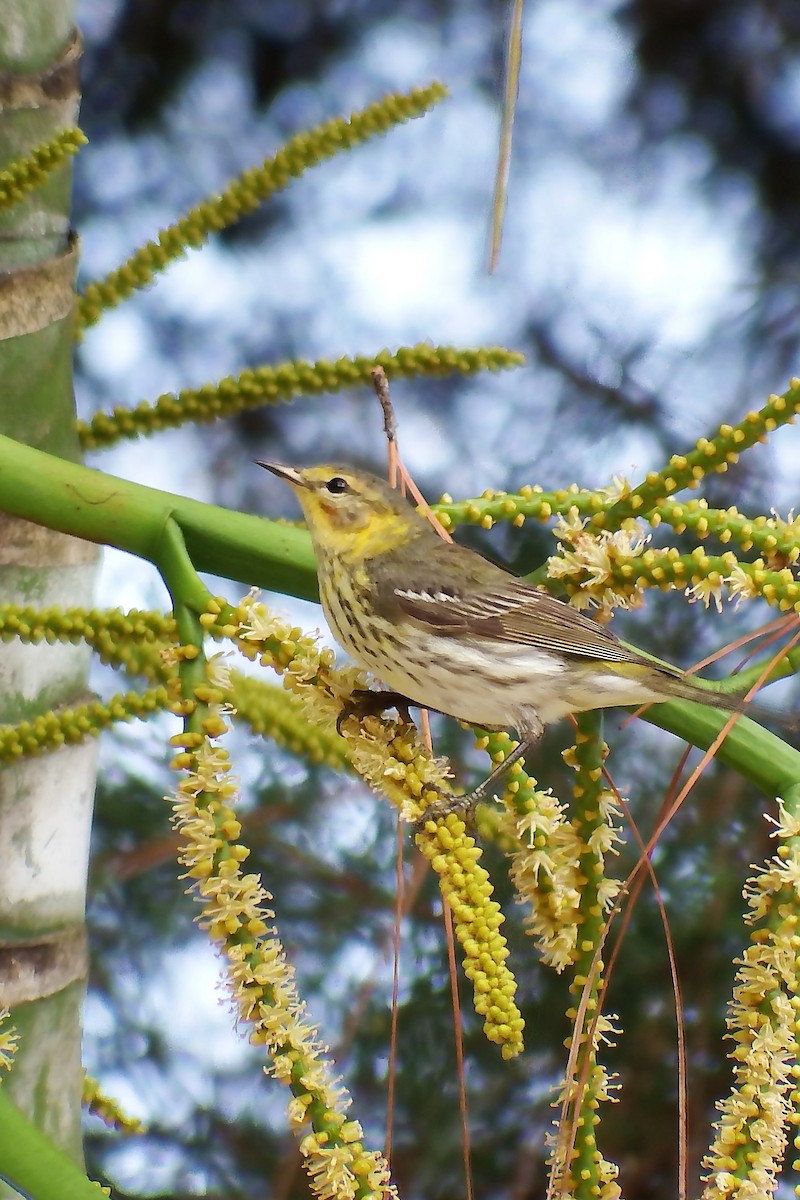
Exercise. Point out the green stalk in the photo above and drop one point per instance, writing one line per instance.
(105, 509)
(102, 508)
(33, 1165)
(758, 755)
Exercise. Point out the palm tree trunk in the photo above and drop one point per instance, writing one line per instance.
(45, 802)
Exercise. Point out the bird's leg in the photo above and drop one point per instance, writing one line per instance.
(363, 702)
(530, 733)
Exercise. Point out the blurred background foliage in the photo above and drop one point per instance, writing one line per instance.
(649, 273)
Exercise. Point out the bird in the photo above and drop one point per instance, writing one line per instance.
(450, 631)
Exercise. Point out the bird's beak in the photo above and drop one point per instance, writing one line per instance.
(290, 474)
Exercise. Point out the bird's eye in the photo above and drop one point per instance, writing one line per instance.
(337, 485)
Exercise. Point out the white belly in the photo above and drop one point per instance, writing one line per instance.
(484, 686)
(486, 683)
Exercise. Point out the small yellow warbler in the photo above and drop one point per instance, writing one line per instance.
(448, 630)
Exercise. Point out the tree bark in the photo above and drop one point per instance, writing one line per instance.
(45, 802)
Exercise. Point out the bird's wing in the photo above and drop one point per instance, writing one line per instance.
(463, 595)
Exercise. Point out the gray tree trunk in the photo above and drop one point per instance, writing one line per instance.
(45, 802)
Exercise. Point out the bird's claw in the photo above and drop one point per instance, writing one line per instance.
(363, 702)
(449, 802)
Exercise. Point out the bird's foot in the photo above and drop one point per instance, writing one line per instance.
(363, 702)
(466, 805)
(449, 802)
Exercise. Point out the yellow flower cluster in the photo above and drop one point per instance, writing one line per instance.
(107, 1108)
(393, 761)
(8, 1041)
(549, 874)
(237, 915)
(545, 870)
(262, 634)
(611, 570)
(745, 1159)
(468, 891)
(596, 560)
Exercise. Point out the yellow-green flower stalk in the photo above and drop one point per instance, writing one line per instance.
(276, 384)
(394, 762)
(747, 1154)
(599, 561)
(100, 628)
(68, 726)
(771, 536)
(577, 1163)
(9, 1039)
(248, 190)
(236, 913)
(278, 715)
(530, 501)
(132, 640)
(607, 565)
(709, 454)
(107, 1108)
(23, 176)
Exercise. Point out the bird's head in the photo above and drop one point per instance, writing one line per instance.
(350, 513)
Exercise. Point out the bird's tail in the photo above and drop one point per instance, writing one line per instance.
(689, 689)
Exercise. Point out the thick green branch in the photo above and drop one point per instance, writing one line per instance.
(758, 755)
(111, 511)
(34, 1165)
(114, 512)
